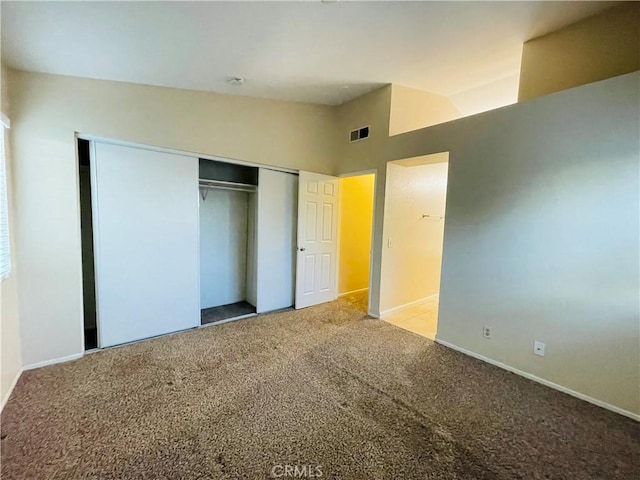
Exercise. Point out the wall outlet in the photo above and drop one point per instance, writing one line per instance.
(389, 243)
(538, 348)
(486, 331)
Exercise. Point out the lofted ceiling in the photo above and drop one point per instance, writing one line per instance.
(312, 51)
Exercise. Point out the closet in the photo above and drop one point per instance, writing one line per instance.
(227, 240)
(171, 241)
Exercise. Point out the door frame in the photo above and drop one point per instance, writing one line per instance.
(186, 153)
(360, 173)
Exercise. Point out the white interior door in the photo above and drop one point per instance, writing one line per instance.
(316, 269)
(145, 209)
(276, 239)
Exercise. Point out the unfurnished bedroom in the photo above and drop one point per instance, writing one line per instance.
(320, 239)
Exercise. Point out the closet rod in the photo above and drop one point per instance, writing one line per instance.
(245, 187)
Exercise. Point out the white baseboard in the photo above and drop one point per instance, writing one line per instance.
(13, 385)
(68, 358)
(407, 305)
(352, 292)
(542, 381)
(227, 320)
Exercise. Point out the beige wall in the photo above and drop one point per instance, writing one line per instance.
(541, 236)
(412, 252)
(413, 109)
(593, 49)
(48, 109)
(10, 354)
(489, 96)
(356, 220)
(371, 109)
(375, 109)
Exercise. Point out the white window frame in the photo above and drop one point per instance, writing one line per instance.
(5, 242)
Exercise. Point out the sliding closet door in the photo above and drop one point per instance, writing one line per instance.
(146, 239)
(276, 237)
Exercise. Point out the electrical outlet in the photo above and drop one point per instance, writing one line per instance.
(486, 331)
(389, 243)
(538, 348)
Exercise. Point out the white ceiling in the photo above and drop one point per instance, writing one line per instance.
(302, 51)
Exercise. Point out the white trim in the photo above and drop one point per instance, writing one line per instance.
(174, 151)
(45, 363)
(407, 305)
(11, 387)
(547, 383)
(227, 320)
(4, 120)
(95, 229)
(338, 235)
(353, 291)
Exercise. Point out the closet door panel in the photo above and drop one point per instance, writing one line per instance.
(147, 270)
(276, 239)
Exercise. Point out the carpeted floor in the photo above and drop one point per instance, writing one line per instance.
(326, 386)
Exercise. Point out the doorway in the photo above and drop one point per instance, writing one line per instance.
(413, 233)
(357, 193)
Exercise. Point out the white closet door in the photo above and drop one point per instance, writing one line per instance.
(146, 234)
(276, 233)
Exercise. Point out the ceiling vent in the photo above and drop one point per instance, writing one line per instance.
(359, 134)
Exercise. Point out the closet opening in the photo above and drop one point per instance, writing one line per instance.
(227, 211)
(86, 232)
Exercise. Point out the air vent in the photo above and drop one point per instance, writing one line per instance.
(359, 134)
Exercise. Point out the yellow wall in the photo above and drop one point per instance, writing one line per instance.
(599, 47)
(356, 218)
(413, 109)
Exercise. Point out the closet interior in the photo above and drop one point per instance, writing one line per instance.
(227, 211)
(86, 231)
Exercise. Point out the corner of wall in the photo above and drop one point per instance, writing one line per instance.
(372, 110)
(596, 48)
(10, 345)
(413, 109)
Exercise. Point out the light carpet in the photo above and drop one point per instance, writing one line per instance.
(326, 386)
